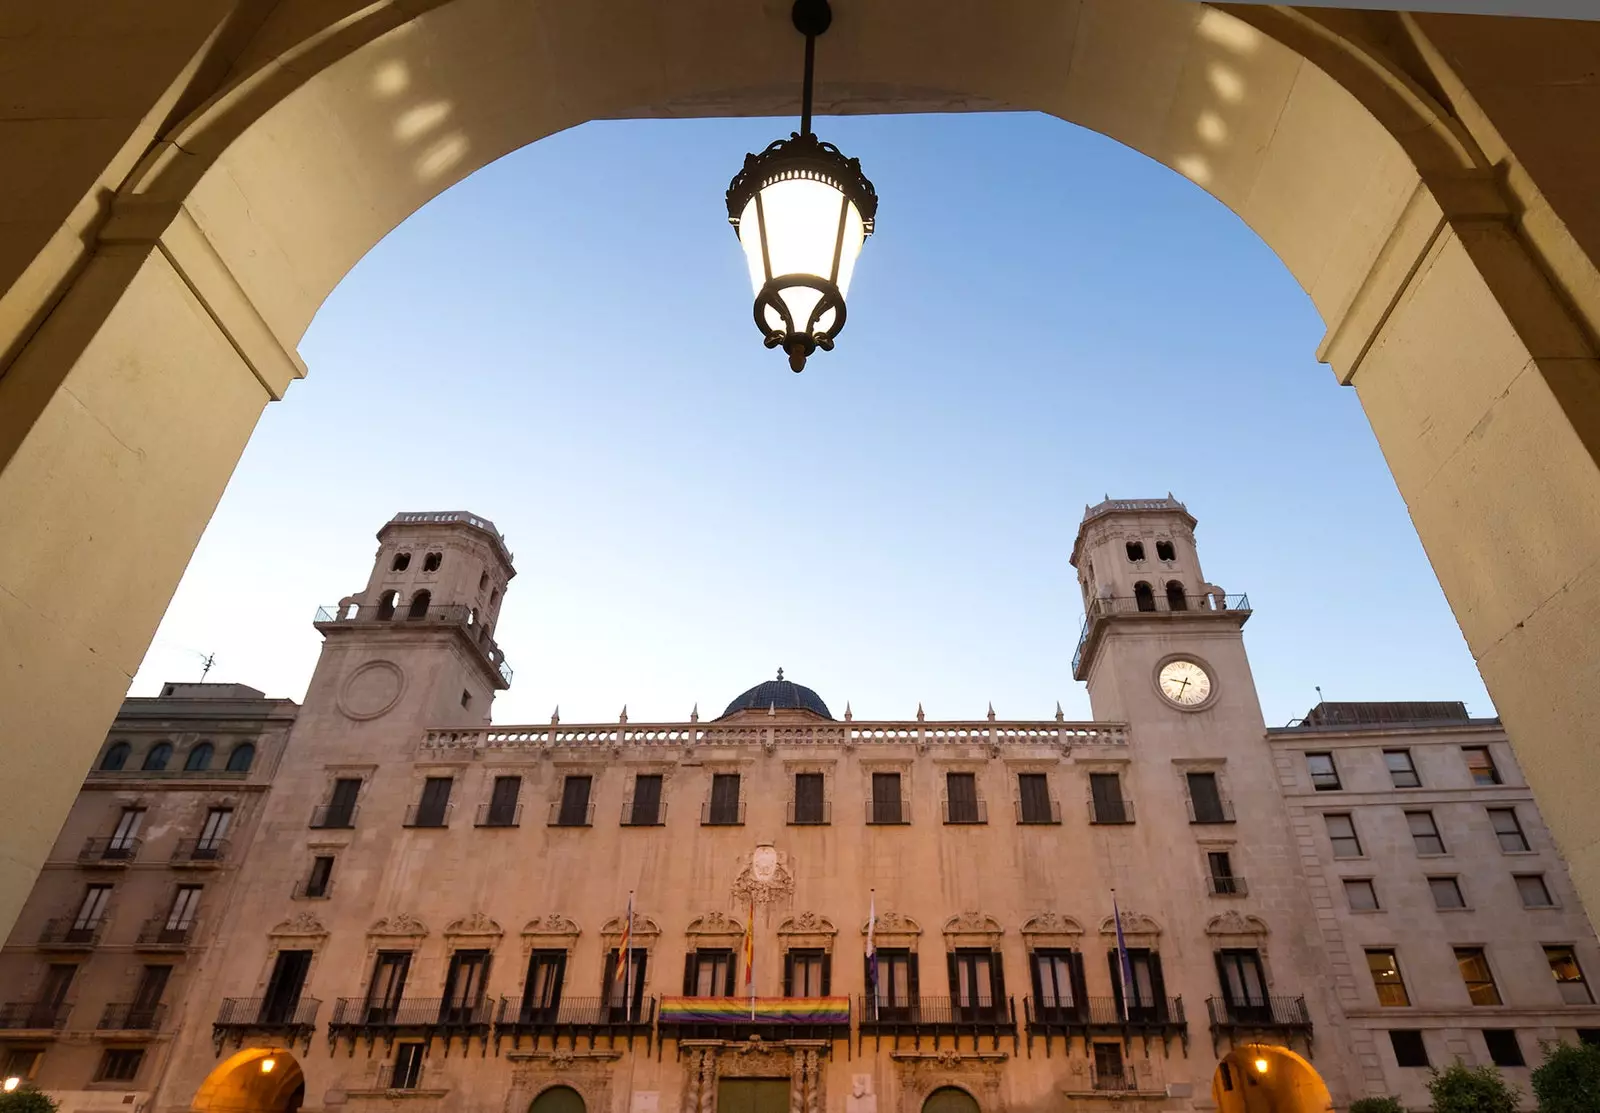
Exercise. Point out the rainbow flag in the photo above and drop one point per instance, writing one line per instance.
(763, 1010)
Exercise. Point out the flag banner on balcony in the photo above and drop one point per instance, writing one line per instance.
(767, 1010)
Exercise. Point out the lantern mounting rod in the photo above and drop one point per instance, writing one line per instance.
(811, 18)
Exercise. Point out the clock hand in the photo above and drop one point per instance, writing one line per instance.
(1182, 685)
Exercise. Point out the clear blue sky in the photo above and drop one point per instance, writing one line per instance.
(563, 343)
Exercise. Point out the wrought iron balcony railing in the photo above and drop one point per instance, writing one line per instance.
(1156, 604)
(132, 1017)
(334, 817)
(68, 933)
(1227, 886)
(459, 616)
(161, 931)
(639, 813)
(935, 1016)
(888, 813)
(1216, 811)
(958, 812)
(115, 851)
(1110, 812)
(1260, 1014)
(573, 1017)
(498, 815)
(200, 852)
(308, 889)
(1042, 812)
(34, 1016)
(810, 813)
(267, 1014)
(563, 814)
(715, 814)
(428, 815)
(406, 1075)
(415, 1013)
(1121, 1081)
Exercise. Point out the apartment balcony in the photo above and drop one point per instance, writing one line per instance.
(937, 1017)
(714, 814)
(200, 853)
(573, 1018)
(68, 934)
(1037, 812)
(1227, 886)
(1088, 1017)
(356, 1018)
(401, 1076)
(17, 1017)
(1217, 811)
(641, 814)
(964, 812)
(160, 934)
(563, 814)
(306, 889)
(810, 813)
(460, 618)
(244, 1018)
(132, 1018)
(113, 852)
(888, 813)
(428, 815)
(1157, 605)
(740, 1018)
(334, 817)
(1281, 1017)
(498, 815)
(1110, 813)
(1116, 1082)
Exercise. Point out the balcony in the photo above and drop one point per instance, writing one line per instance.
(1213, 811)
(115, 851)
(718, 814)
(1283, 1017)
(498, 815)
(1103, 1016)
(938, 1017)
(887, 813)
(160, 934)
(457, 617)
(810, 813)
(357, 1018)
(68, 934)
(200, 853)
(306, 889)
(1037, 812)
(740, 1018)
(400, 1075)
(428, 815)
(240, 1018)
(641, 814)
(589, 1018)
(1116, 1082)
(964, 812)
(334, 817)
(131, 1018)
(1110, 813)
(33, 1016)
(564, 814)
(1156, 606)
(1227, 886)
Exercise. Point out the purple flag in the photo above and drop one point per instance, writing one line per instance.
(1123, 963)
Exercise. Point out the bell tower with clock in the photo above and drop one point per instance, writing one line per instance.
(1159, 642)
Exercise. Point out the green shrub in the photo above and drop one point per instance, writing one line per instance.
(1462, 1089)
(25, 1099)
(1377, 1105)
(1569, 1079)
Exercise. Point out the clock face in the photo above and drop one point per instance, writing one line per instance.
(1184, 683)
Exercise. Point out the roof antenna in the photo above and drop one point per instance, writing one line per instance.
(211, 659)
(1318, 687)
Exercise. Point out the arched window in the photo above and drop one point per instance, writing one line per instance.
(558, 1099)
(419, 604)
(386, 605)
(1136, 551)
(199, 758)
(402, 561)
(1144, 596)
(156, 760)
(431, 562)
(483, 580)
(116, 757)
(493, 595)
(1165, 551)
(240, 760)
(1176, 599)
(948, 1099)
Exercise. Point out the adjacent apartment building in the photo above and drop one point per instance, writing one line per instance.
(781, 910)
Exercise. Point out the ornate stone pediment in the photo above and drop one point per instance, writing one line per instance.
(714, 924)
(553, 924)
(402, 924)
(1053, 925)
(476, 924)
(1232, 923)
(303, 923)
(973, 929)
(808, 923)
(765, 878)
(1133, 923)
(895, 929)
(644, 932)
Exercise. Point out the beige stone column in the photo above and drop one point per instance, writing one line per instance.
(120, 423)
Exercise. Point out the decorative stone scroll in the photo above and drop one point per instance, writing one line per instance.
(1051, 929)
(554, 928)
(400, 924)
(476, 926)
(1232, 923)
(302, 924)
(1133, 923)
(895, 929)
(712, 928)
(807, 930)
(645, 931)
(765, 878)
(972, 929)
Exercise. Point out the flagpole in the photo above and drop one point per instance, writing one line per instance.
(872, 951)
(750, 957)
(625, 945)
(1124, 966)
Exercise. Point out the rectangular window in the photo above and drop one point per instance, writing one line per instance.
(1401, 770)
(143, 1010)
(1033, 799)
(1479, 978)
(1480, 763)
(886, 806)
(1425, 833)
(53, 994)
(340, 810)
(180, 917)
(464, 987)
(213, 836)
(1147, 1002)
(977, 984)
(1568, 975)
(806, 973)
(1205, 799)
(1409, 1050)
(644, 810)
(541, 990)
(406, 1074)
(504, 809)
(1386, 979)
(1057, 983)
(433, 810)
(124, 842)
(321, 878)
(809, 804)
(1504, 1050)
(1508, 830)
(1360, 895)
(895, 991)
(624, 990)
(1108, 1068)
(1244, 985)
(282, 999)
(1223, 882)
(1446, 893)
(574, 801)
(119, 1064)
(22, 1062)
(1105, 799)
(961, 798)
(1342, 834)
(1324, 774)
(1534, 892)
(723, 810)
(90, 914)
(387, 987)
(708, 972)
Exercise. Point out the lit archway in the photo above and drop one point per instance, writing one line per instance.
(1268, 1078)
(253, 1080)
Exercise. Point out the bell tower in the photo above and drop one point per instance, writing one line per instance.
(416, 645)
(1157, 636)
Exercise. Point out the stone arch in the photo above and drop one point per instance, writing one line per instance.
(1051, 929)
(253, 1080)
(950, 1098)
(558, 1098)
(972, 929)
(1289, 1081)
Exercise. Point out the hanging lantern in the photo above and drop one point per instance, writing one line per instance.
(802, 210)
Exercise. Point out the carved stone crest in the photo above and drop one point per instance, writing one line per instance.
(1232, 923)
(715, 923)
(303, 923)
(553, 924)
(1051, 923)
(401, 923)
(475, 924)
(765, 878)
(1133, 923)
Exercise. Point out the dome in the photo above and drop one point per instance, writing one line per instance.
(785, 695)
